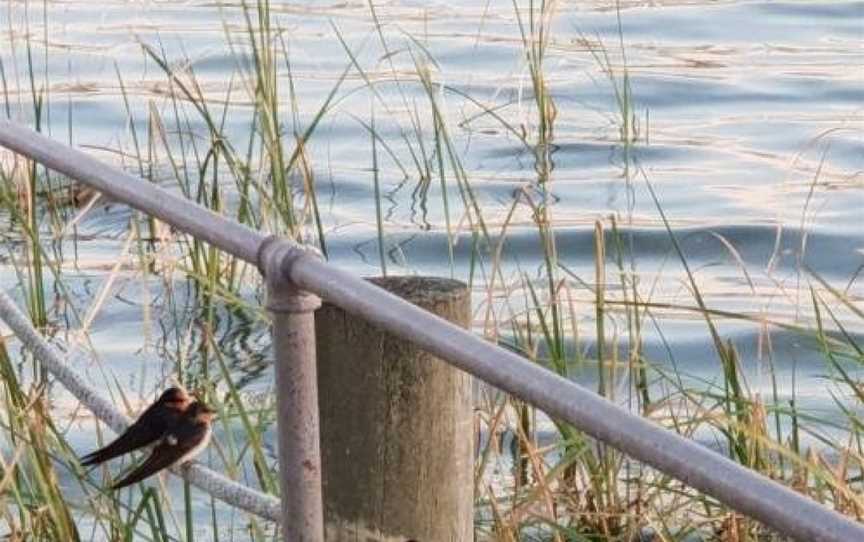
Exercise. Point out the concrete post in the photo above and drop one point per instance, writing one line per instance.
(396, 425)
(296, 397)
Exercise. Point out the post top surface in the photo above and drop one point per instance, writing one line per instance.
(422, 289)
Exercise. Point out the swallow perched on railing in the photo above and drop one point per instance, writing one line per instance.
(178, 425)
(189, 436)
(150, 426)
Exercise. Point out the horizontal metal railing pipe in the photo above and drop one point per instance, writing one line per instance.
(741, 489)
(184, 215)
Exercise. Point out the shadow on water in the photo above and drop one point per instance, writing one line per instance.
(768, 249)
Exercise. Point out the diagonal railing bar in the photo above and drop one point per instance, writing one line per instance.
(746, 491)
(224, 489)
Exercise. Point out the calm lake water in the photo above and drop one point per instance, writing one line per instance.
(748, 122)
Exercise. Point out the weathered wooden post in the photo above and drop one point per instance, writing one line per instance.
(396, 425)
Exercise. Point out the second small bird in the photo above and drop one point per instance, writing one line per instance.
(177, 424)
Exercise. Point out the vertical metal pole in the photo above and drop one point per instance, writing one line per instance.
(296, 397)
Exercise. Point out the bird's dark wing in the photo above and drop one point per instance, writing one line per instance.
(147, 429)
(171, 449)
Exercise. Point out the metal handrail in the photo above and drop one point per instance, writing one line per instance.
(741, 489)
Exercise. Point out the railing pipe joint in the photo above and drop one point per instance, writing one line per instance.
(277, 256)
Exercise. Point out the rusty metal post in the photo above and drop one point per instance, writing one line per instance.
(296, 395)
